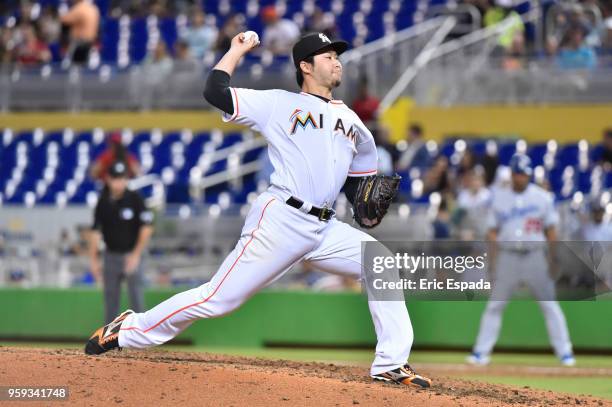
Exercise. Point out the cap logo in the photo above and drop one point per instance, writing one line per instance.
(324, 38)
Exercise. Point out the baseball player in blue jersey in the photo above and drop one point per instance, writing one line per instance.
(521, 219)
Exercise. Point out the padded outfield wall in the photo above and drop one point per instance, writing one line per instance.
(298, 318)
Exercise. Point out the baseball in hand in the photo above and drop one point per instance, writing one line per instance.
(251, 35)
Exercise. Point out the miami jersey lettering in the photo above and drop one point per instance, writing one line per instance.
(313, 144)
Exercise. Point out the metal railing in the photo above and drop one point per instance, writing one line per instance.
(236, 169)
(157, 199)
(384, 60)
(461, 12)
(419, 63)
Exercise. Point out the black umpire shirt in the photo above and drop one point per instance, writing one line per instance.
(120, 220)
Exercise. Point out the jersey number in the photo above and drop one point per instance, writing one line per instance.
(533, 225)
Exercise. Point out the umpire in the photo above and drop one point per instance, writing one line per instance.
(126, 226)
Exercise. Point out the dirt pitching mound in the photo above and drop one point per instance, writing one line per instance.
(157, 377)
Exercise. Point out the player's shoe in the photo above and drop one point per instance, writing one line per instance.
(107, 337)
(478, 359)
(568, 360)
(404, 375)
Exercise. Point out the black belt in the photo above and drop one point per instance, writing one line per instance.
(324, 214)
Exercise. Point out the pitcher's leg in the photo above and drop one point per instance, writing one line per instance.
(258, 258)
(340, 253)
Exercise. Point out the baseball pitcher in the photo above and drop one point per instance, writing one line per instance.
(317, 146)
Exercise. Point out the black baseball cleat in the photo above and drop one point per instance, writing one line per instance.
(107, 337)
(404, 375)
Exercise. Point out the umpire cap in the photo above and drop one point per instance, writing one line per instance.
(521, 164)
(310, 44)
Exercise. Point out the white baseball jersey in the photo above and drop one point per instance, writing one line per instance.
(313, 145)
(522, 216)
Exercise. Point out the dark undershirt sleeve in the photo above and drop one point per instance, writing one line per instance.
(217, 91)
(350, 188)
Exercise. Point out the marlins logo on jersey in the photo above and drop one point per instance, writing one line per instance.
(303, 120)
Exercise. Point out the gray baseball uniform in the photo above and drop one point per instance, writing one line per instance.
(520, 219)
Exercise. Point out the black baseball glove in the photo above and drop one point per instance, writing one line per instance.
(373, 197)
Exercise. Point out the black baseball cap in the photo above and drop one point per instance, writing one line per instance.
(310, 44)
(118, 170)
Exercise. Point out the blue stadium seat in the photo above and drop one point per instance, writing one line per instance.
(506, 151)
(536, 152)
(230, 139)
(568, 155)
(584, 181)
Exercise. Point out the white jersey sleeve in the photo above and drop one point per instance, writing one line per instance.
(252, 108)
(365, 162)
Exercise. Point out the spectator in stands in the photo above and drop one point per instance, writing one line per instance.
(50, 26)
(84, 20)
(366, 105)
(596, 228)
(126, 227)
(385, 158)
(232, 26)
(466, 164)
(7, 45)
(200, 37)
(183, 59)
(157, 66)
(438, 179)
(415, 154)
(490, 162)
(119, 8)
(607, 23)
(606, 155)
(33, 50)
(115, 151)
(473, 199)
(441, 224)
(571, 18)
(324, 22)
(575, 53)
(511, 42)
(279, 34)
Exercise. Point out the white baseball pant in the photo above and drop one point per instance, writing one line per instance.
(275, 237)
(512, 270)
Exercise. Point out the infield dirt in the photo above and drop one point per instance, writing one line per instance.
(157, 377)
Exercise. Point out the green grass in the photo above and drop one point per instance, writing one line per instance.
(596, 386)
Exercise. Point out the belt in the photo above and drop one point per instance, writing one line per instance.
(324, 214)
